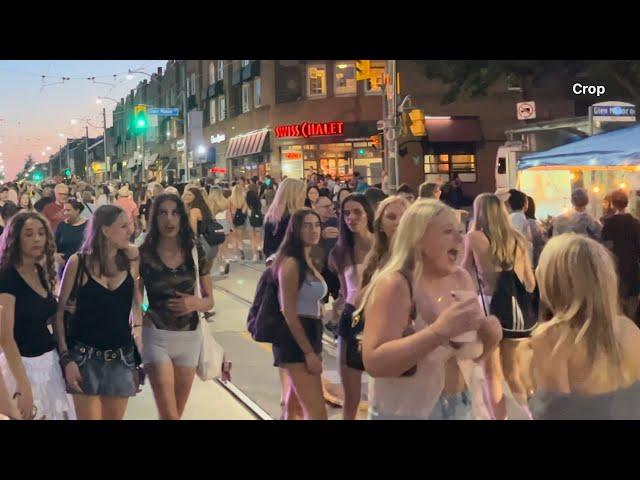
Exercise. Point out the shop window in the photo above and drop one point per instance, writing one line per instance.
(220, 69)
(257, 92)
(212, 73)
(245, 97)
(222, 108)
(443, 166)
(212, 111)
(345, 78)
(316, 80)
(374, 85)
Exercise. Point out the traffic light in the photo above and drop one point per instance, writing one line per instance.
(37, 176)
(414, 123)
(375, 141)
(67, 172)
(363, 69)
(140, 120)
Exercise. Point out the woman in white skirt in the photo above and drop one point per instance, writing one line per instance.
(29, 362)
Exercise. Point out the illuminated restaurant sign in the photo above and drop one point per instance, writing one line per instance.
(308, 129)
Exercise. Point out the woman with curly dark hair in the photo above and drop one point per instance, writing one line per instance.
(171, 337)
(97, 352)
(29, 362)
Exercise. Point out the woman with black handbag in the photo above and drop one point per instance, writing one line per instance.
(98, 352)
(172, 339)
(29, 362)
(416, 308)
(496, 257)
(256, 221)
(347, 261)
(238, 209)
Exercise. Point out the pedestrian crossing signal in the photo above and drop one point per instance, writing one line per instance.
(363, 69)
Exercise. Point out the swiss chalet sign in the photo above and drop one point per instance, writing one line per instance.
(308, 129)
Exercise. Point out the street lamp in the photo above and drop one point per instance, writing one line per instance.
(100, 99)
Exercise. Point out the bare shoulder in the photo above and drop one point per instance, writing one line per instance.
(476, 237)
(392, 286)
(462, 277)
(289, 266)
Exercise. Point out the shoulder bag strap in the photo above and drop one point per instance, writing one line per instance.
(413, 313)
(475, 268)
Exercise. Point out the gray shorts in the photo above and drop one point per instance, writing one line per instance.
(180, 348)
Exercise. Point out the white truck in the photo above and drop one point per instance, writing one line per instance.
(507, 160)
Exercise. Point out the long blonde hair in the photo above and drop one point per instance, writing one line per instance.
(288, 199)
(490, 217)
(238, 197)
(579, 284)
(217, 202)
(381, 244)
(406, 252)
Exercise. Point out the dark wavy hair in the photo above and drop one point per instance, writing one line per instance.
(293, 246)
(10, 254)
(200, 203)
(307, 202)
(185, 235)
(346, 240)
(95, 243)
(79, 206)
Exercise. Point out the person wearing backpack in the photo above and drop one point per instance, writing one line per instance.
(238, 209)
(496, 256)
(200, 220)
(298, 353)
(256, 222)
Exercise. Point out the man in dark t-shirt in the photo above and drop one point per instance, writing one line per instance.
(621, 234)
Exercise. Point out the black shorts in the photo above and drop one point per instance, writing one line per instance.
(344, 326)
(287, 349)
(111, 377)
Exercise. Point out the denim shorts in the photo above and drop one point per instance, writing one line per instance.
(114, 376)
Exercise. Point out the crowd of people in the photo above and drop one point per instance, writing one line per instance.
(449, 312)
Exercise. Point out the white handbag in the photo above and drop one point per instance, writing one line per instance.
(211, 353)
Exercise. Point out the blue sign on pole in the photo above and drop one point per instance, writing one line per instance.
(164, 112)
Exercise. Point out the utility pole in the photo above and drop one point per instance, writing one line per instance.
(107, 163)
(68, 159)
(86, 154)
(390, 115)
(185, 120)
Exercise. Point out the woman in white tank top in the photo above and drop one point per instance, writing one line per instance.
(415, 367)
(347, 261)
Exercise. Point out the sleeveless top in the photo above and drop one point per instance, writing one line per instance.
(102, 317)
(309, 296)
(353, 279)
(411, 398)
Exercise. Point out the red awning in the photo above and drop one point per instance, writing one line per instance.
(454, 129)
(248, 144)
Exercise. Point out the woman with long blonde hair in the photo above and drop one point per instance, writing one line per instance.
(289, 198)
(586, 364)
(494, 247)
(220, 210)
(238, 209)
(416, 309)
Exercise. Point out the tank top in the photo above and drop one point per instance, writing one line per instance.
(309, 296)
(353, 279)
(102, 318)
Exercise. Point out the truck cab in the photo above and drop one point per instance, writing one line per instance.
(507, 159)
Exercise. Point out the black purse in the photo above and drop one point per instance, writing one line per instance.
(354, 345)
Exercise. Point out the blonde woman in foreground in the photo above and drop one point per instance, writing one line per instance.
(416, 308)
(586, 361)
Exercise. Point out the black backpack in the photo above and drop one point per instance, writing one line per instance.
(265, 321)
(256, 219)
(514, 306)
(239, 217)
(213, 233)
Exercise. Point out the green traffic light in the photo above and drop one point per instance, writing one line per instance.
(361, 151)
(37, 176)
(67, 172)
(141, 123)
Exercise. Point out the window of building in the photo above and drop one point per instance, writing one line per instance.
(245, 97)
(441, 167)
(212, 111)
(316, 80)
(345, 78)
(193, 84)
(220, 69)
(212, 73)
(244, 63)
(374, 85)
(222, 108)
(257, 92)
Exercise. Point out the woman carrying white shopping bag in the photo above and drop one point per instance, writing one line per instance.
(176, 276)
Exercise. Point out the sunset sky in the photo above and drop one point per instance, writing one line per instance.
(35, 110)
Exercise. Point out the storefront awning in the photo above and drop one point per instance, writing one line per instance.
(248, 144)
(453, 129)
(619, 148)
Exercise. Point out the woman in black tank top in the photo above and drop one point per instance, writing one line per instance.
(97, 346)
